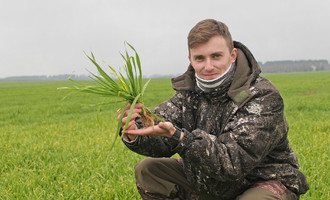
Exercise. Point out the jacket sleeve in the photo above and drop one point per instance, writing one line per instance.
(248, 137)
(156, 146)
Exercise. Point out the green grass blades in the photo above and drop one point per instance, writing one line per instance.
(55, 149)
(128, 87)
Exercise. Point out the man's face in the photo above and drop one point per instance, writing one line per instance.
(211, 59)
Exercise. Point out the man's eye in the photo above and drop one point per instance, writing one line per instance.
(216, 56)
(199, 58)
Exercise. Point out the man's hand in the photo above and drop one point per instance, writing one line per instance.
(165, 129)
(131, 125)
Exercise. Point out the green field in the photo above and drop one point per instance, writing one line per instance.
(55, 148)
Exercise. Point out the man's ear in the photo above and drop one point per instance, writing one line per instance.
(233, 55)
(189, 59)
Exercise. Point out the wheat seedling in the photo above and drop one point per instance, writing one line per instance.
(128, 88)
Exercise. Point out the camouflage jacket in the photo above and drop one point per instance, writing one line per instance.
(234, 136)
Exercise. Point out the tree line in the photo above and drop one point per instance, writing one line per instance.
(294, 66)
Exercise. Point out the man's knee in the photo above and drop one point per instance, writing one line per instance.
(154, 176)
(145, 167)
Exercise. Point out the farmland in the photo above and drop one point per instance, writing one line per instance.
(56, 145)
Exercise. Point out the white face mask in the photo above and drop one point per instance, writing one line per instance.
(210, 84)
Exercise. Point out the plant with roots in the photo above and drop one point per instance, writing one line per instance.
(128, 88)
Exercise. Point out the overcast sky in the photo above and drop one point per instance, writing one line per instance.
(49, 37)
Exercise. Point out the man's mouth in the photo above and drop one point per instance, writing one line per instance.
(210, 76)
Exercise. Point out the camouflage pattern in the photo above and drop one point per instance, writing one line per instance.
(234, 136)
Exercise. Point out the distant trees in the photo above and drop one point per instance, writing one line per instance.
(294, 66)
(47, 78)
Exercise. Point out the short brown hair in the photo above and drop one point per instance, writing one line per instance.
(204, 30)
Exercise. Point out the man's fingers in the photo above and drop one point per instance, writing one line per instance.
(162, 125)
(165, 125)
(137, 106)
(162, 129)
(145, 131)
(123, 121)
(131, 125)
(135, 110)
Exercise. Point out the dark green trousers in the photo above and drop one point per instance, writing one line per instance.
(163, 178)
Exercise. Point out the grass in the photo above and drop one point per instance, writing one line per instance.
(307, 109)
(60, 149)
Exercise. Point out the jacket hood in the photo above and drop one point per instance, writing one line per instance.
(247, 70)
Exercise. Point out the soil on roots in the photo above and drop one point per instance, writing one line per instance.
(147, 119)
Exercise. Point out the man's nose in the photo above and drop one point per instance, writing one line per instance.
(209, 65)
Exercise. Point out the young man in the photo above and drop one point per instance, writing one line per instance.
(225, 121)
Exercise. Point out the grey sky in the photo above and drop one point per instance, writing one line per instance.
(48, 37)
